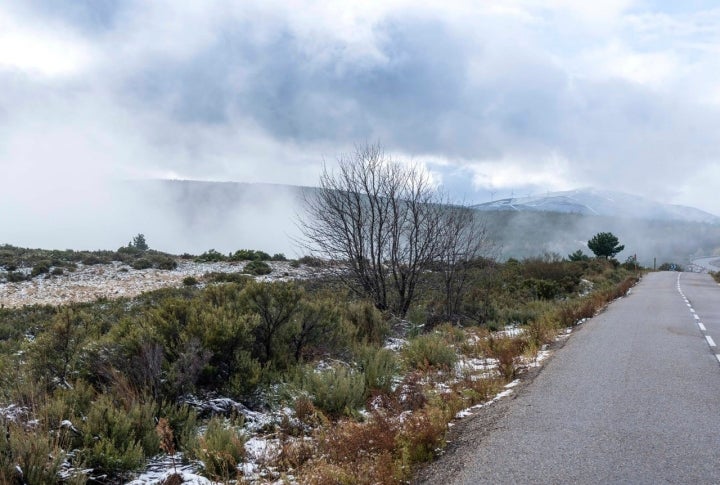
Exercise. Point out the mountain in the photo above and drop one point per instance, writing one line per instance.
(194, 216)
(601, 203)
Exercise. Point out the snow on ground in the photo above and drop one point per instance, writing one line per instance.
(509, 331)
(117, 279)
(471, 410)
(395, 344)
(159, 469)
(477, 366)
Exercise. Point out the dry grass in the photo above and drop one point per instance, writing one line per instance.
(507, 351)
(474, 391)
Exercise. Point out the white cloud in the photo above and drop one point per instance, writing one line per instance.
(552, 94)
(615, 60)
(41, 49)
(551, 173)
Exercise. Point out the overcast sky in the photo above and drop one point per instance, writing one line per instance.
(516, 96)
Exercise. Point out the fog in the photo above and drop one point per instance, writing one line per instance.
(176, 217)
(531, 234)
(494, 99)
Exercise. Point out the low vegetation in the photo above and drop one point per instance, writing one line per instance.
(351, 394)
(20, 264)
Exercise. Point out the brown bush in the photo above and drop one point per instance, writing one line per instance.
(294, 454)
(411, 392)
(476, 391)
(305, 411)
(507, 351)
(379, 469)
(422, 434)
(348, 440)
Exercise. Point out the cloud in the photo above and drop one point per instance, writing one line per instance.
(531, 94)
(27, 49)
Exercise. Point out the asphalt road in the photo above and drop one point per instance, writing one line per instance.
(633, 397)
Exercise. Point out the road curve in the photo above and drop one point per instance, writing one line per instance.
(633, 397)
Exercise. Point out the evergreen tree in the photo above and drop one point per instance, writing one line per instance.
(605, 245)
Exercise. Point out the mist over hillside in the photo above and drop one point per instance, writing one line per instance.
(179, 216)
(231, 215)
(225, 216)
(595, 202)
(527, 234)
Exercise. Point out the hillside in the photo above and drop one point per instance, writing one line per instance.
(601, 203)
(526, 234)
(648, 229)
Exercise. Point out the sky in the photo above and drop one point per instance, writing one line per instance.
(493, 98)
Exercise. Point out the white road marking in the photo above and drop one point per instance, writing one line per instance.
(689, 305)
(692, 310)
(696, 317)
(717, 357)
(702, 327)
(710, 341)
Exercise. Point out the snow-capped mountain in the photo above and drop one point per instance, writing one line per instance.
(601, 203)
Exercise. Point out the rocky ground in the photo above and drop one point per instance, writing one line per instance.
(115, 280)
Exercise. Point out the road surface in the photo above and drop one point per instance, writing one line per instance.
(633, 397)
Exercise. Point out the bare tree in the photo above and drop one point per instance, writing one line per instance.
(387, 222)
(464, 241)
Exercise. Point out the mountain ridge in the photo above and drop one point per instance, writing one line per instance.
(589, 201)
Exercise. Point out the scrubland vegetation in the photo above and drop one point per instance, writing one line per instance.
(349, 394)
(15, 261)
(348, 377)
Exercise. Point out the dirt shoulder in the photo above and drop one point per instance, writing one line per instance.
(467, 434)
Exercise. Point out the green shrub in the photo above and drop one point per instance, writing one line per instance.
(221, 448)
(250, 255)
(16, 277)
(129, 251)
(336, 390)
(216, 277)
(257, 268)
(183, 422)
(92, 260)
(190, 281)
(369, 322)
(141, 263)
(543, 289)
(278, 257)
(275, 305)
(211, 256)
(35, 452)
(578, 256)
(318, 329)
(429, 350)
(41, 267)
(311, 261)
(118, 439)
(379, 366)
(164, 262)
